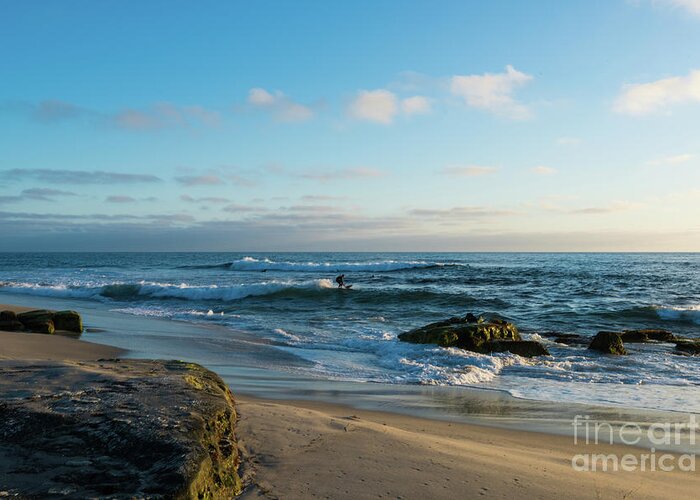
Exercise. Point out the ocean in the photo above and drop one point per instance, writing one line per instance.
(287, 310)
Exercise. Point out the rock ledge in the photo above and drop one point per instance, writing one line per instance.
(116, 429)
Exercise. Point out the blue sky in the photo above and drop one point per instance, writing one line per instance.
(379, 125)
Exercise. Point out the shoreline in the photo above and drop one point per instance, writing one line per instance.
(295, 449)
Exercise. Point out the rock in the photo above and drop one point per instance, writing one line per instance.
(470, 318)
(571, 339)
(8, 316)
(11, 326)
(608, 343)
(35, 316)
(69, 321)
(644, 336)
(457, 332)
(525, 348)
(688, 346)
(45, 321)
(117, 429)
(40, 326)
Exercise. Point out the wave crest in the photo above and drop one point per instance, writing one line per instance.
(253, 264)
(144, 290)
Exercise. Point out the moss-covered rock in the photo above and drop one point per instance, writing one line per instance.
(647, 335)
(467, 332)
(608, 343)
(525, 348)
(69, 321)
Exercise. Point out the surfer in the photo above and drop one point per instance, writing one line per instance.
(341, 281)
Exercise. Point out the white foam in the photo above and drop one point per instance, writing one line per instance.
(688, 313)
(253, 264)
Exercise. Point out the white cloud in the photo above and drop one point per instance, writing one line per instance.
(469, 171)
(671, 160)
(645, 98)
(692, 6)
(260, 97)
(416, 105)
(380, 106)
(283, 108)
(543, 170)
(493, 92)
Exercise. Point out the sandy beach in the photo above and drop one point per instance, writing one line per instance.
(303, 449)
(314, 450)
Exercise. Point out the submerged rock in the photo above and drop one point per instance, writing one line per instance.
(571, 339)
(687, 346)
(117, 429)
(644, 336)
(608, 343)
(463, 332)
(525, 348)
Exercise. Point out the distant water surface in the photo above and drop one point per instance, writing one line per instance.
(288, 304)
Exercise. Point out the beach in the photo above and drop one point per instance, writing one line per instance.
(315, 449)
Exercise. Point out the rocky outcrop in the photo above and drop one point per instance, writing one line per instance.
(608, 343)
(466, 332)
(42, 321)
(471, 333)
(525, 348)
(117, 429)
(9, 322)
(645, 336)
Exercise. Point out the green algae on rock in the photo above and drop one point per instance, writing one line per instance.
(473, 334)
(608, 343)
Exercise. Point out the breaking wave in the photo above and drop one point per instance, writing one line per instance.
(253, 264)
(142, 290)
(689, 314)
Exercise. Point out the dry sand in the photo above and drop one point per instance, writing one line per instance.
(315, 450)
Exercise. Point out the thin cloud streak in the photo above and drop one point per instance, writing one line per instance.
(60, 176)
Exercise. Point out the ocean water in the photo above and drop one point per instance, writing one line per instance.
(288, 305)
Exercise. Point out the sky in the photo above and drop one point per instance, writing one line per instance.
(350, 126)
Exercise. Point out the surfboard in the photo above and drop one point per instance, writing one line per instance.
(348, 287)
